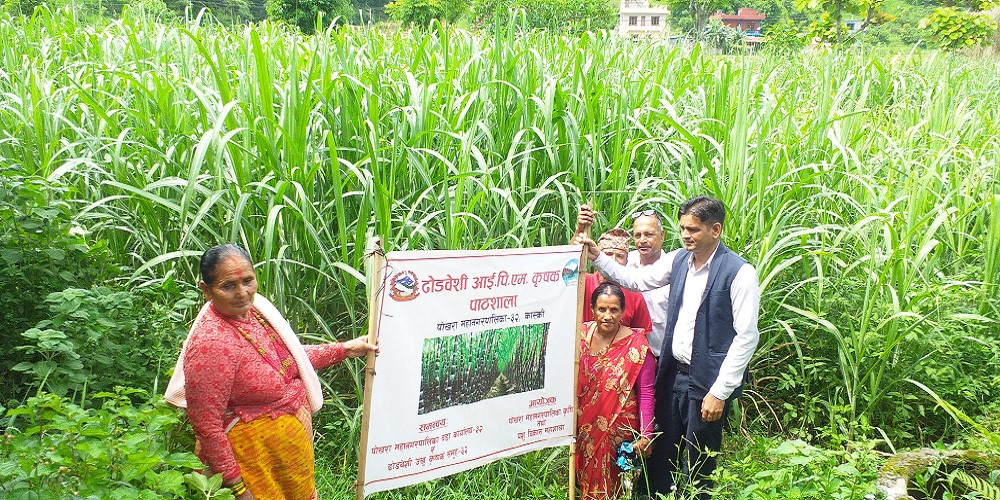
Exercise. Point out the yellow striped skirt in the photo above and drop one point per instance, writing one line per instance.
(276, 456)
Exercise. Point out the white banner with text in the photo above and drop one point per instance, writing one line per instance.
(476, 361)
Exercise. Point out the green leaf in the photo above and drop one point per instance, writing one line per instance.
(11, 256)
(847, 470)
(56, 254)
(197, 481)
(23, 366)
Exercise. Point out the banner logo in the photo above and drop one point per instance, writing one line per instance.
(570, 272)
(404, 286)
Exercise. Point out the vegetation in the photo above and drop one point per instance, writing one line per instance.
(422, 12)
(116, 451)
(953, 28)
(466, 368)
(309, 15)
(572, 16)
(863, 185)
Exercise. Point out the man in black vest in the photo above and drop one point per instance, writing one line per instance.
(711, 333)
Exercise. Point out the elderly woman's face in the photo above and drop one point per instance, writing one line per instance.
(620, 256)
(234, 287)
(607, 313)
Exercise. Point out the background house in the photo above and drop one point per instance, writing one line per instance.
(744, 19)
(636, 18)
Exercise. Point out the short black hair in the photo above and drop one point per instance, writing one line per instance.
(211, 258)
(608, 288)
(706, 208)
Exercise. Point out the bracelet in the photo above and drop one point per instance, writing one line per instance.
(238, 488)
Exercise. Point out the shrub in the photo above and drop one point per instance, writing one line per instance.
(156, 8)
(562, 15)
(722, 38)
(953, 29)
(55, 449)
(784, 37)
(23, 7)
(422, 12)
(42, 250)
(96, 337)
(305, 13)
(796, 469)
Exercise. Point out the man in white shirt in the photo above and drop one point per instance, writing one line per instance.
(647, 234)
(710, 335)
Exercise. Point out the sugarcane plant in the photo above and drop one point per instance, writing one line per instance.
(467, 368)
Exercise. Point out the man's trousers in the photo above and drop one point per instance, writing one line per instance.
(683, 435)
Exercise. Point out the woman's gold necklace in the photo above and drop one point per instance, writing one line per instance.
(270, 333)
(604, 350)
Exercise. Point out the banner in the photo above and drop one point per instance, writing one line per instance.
(476, 362)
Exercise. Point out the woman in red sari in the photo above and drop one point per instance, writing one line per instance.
(615, 394)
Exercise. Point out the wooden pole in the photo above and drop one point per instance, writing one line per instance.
(580, 304)
(375, 265)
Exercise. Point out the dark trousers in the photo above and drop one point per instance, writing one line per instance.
(683, 435)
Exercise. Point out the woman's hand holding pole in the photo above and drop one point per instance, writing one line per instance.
(359, 347)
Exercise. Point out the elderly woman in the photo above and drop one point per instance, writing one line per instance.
(614, 394)
(249, 386)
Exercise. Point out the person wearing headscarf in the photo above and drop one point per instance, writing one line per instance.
(615, 244)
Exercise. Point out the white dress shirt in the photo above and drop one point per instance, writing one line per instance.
(744, 294)
(656, 302)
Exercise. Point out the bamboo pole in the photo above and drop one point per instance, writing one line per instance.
(581, 286)
(375, 265)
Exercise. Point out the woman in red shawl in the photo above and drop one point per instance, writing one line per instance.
(615, 394)
(249, 386)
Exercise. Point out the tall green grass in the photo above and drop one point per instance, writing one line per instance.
(862, 184)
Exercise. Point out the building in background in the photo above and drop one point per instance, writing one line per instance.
(854, 24)
(743, 20)
(637, 19)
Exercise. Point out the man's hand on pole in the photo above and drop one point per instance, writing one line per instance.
(592, 250)
(585, 219)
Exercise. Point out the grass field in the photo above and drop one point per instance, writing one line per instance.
(862, 184)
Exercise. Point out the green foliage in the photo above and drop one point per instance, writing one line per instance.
(307, 13)
(776, 11)
(723, 38)
(692, 15)
(228, 12)
(52, 448)
(952, 28)
(825, 29)
(422, 12)
(863, 183)
(904, 30)
(572, 16)
(794, 469)
(152, 7)
(42, 250)
(987, 489)
(209, 488)
(22, 7)
(95, 338)
(785, 37)
(966, 479)
(830, 26)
